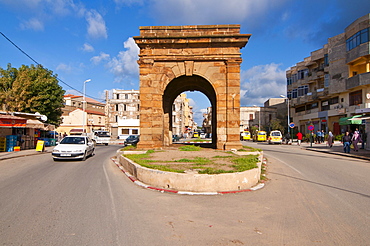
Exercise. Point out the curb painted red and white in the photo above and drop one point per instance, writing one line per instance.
(141, 184)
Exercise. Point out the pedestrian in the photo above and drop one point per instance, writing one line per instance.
(318, 136)
(330, 139)
(299, 137)
(346, 140)
(355, 139)
(287, 138)
(322, 136)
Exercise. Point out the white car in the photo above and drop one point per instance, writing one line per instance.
(74, 147)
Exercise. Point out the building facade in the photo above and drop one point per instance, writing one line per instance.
(123, 113)
(330, 88)
(74, 116)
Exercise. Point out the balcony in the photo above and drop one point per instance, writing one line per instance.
(357, 80)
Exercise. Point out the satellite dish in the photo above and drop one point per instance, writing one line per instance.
(44, 118)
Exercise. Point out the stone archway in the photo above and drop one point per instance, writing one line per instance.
(174, 59)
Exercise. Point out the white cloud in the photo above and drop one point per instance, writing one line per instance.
(101, 57)
(64, 67)
(87, 47)
(96, 27)
(125, 63)
(33, 24)
(260, 83)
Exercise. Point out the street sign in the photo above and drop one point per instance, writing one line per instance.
(291, 125)
(311, 127)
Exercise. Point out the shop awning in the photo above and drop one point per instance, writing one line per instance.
(12, 121)
(350, 120)
(35, 124)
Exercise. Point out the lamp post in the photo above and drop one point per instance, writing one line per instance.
(288, 119)
(84, 106)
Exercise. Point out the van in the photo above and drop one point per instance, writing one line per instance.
(275, 137)
(261, 136)
(245, 136)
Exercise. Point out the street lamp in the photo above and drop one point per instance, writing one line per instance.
(84, 106)
(288, 112)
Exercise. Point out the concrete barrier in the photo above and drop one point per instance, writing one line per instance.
(193, 182)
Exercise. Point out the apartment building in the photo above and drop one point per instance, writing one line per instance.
(330, 89)
(123, 113)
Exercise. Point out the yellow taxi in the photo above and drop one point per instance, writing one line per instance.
(245, 136)
(261, 136)
(275, 137)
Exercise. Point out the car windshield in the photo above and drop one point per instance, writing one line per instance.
(275, 134)
(73, 140)
(102, 134)
(262, 133)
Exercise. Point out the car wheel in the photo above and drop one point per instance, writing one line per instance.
(105, 144)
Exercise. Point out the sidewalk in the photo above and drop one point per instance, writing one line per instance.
(337, 149)
(27, 152)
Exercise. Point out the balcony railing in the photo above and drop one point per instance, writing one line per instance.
(357, 80)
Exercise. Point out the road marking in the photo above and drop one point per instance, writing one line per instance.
(284, 163)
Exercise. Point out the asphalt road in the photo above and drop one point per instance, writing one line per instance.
(310, 199)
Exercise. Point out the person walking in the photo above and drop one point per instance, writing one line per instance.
(346, 140)
(318, 136)
(355, 139)
(287, 138)
(322, 136)
(330, 139)
(299, 137)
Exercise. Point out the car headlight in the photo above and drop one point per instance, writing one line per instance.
(55, 151)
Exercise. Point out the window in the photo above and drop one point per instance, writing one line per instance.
(300, 109)
(126, 96)
(116, 107)
(325, 105)
(326, 80)
(302, 90)
(295, 93)
(358, 38)
(250, 116)
(125, 131)
(289, 94)
(334, 100)
(124, 107)
(355, 98)
(326, 60)
(302, 73)
(135, 131)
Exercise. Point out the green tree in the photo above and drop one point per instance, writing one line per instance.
(275, 124)
(30, 90)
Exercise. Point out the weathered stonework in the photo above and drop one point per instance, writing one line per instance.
(174, 59)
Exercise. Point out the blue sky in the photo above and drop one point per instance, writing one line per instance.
(92, 39)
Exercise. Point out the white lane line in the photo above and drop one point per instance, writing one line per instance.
(283, 163)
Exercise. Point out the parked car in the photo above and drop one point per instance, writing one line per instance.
(260, 136)
(175, 138)
(275, 137)
(123, 136)
(74, 147)
(246, 135)
(132, 140)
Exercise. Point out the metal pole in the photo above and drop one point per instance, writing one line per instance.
(289, 119)
(83, 107)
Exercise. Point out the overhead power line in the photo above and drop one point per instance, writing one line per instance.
(43, 66)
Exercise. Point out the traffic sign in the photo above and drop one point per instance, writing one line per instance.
(311, 127)
(291, 125)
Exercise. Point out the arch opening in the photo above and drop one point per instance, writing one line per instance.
(190, 83)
